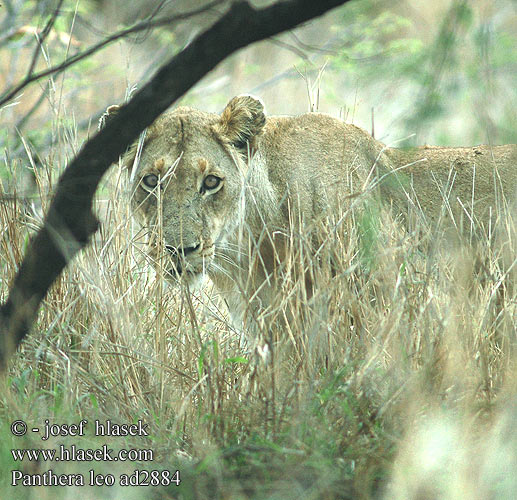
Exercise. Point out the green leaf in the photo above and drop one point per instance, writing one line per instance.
(237, 359)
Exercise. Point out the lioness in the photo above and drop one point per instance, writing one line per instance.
(230, 190)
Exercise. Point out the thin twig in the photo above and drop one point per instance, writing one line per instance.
(40, 38)
(145, 25)
(290, 47)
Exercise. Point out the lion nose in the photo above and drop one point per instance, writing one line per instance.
(183, 251)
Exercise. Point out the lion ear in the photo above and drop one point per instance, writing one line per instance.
(108, 115)
(242, 121)
(129, 155)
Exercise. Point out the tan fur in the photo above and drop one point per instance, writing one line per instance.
(280, 174)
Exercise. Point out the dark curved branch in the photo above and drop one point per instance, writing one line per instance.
(70, 222)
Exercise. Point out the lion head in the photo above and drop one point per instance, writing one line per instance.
(188, 181)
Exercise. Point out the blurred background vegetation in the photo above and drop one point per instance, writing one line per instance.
(442, 72)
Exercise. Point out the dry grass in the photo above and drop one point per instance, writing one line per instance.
(396, 380)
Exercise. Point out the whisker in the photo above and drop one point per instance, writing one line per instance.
(230, 261)
(218, 268)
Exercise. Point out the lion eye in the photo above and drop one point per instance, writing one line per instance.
(211, 182)
(151, 180)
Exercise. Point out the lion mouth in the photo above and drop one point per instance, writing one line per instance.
(186, 271)
(192, 278)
